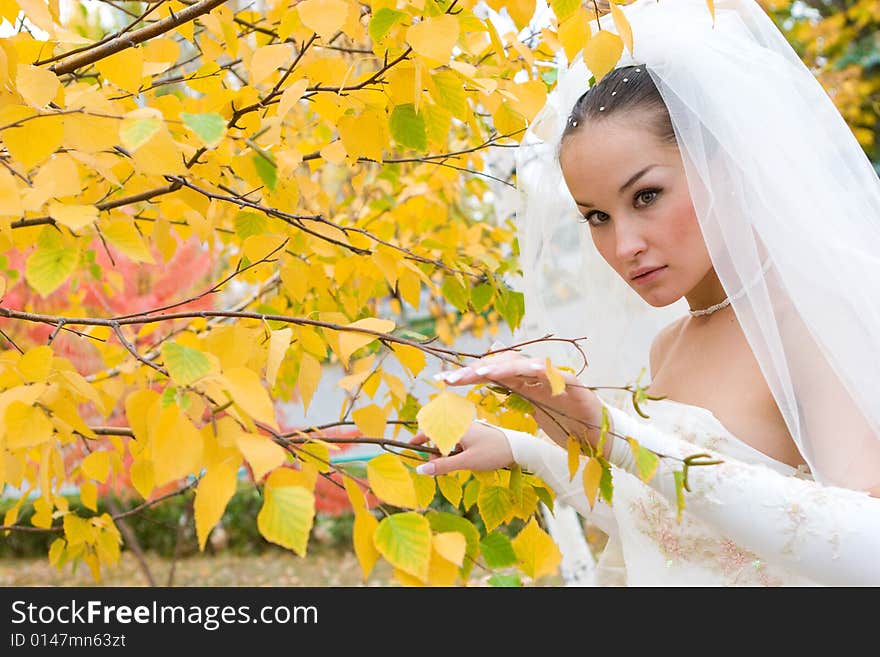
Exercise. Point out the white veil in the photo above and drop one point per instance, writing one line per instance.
(789, 207)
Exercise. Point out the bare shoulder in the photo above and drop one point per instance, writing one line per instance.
(662, 341)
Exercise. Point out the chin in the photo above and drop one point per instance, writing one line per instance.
(659, 298)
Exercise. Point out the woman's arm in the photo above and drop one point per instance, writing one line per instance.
(549, 461)
(829, 534)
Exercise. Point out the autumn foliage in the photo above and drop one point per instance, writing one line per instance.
(203, 206)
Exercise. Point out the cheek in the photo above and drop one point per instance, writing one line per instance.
(684, 230)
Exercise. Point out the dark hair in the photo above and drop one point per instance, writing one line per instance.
(625, 90)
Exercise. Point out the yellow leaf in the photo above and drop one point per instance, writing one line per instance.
(442, 572)
(10, 195)
(324, 17)
(125, 68)
(404, 539)
(33, 141)
(334, 152)
(36, 85)
(178, 447)
(557, 383)
(160, 155)
(308, 379)
(291, 95)
(451, 546)
(288, 512)
(364, 529)
(36, 364)
(521, 11)
(96, 466)
(623, 27)
(365, 135)
(412, 358)
(434, 37)
(269, 59)
(247, 391)
(215, 490)
(74, 216)
(26, 426)
(355, 494)
(602, 52)
(450, 487)
(426, 488)
(261, 452)
(592, 477)
(78, 530)
(278, 344)
(391, 481)
(317, 453)
(370, 420)
(573, 448)
(445, 419)
(42, 514)
(121, 233)
(351, 341)
(537, 553)
(142, 477)
(88, 495)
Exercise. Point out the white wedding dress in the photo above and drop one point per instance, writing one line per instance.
(750, 521)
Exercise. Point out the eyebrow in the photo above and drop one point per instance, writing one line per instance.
(625, 185)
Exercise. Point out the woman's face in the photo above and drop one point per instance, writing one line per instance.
(633, 194)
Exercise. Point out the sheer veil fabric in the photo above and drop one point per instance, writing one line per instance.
(789, 207)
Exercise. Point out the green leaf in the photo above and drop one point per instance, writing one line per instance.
(134, 133)
(382, 22)
(494, 504)
(51, 263)
(564, 8)
(210, 127)
(678, 475)
(497, 551)
(455, 293)
(404, 539)
(606, 488)
(646, 461)
(408, 128)
(505, 580)
(471, 490)
(287, 516)
(267, 171)
(169, 396)
(184, 364)
(514, 309)
(481, 295)
(547, 497)
(250, 223)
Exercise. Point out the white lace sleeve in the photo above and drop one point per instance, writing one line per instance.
(829, 534)
(549, 461)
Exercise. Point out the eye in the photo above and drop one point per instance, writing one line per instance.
(597, 218)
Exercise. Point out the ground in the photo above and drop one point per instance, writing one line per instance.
(324, 568)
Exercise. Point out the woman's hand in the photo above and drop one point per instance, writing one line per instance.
(577, 408)
(482, 448)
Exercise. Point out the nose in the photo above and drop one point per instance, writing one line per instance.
(629, 239)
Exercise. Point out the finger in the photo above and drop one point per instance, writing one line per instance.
(419, 439)
(444, 465)
(505, 372)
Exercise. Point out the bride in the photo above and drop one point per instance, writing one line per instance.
(708, 168)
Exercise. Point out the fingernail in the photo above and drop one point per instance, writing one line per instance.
(455, 376)
(426, 468)
(536, 366)
(483, 370)
(439, 376)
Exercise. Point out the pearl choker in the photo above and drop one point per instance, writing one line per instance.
(718, 306)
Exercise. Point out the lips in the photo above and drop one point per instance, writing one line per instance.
(638, 273)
